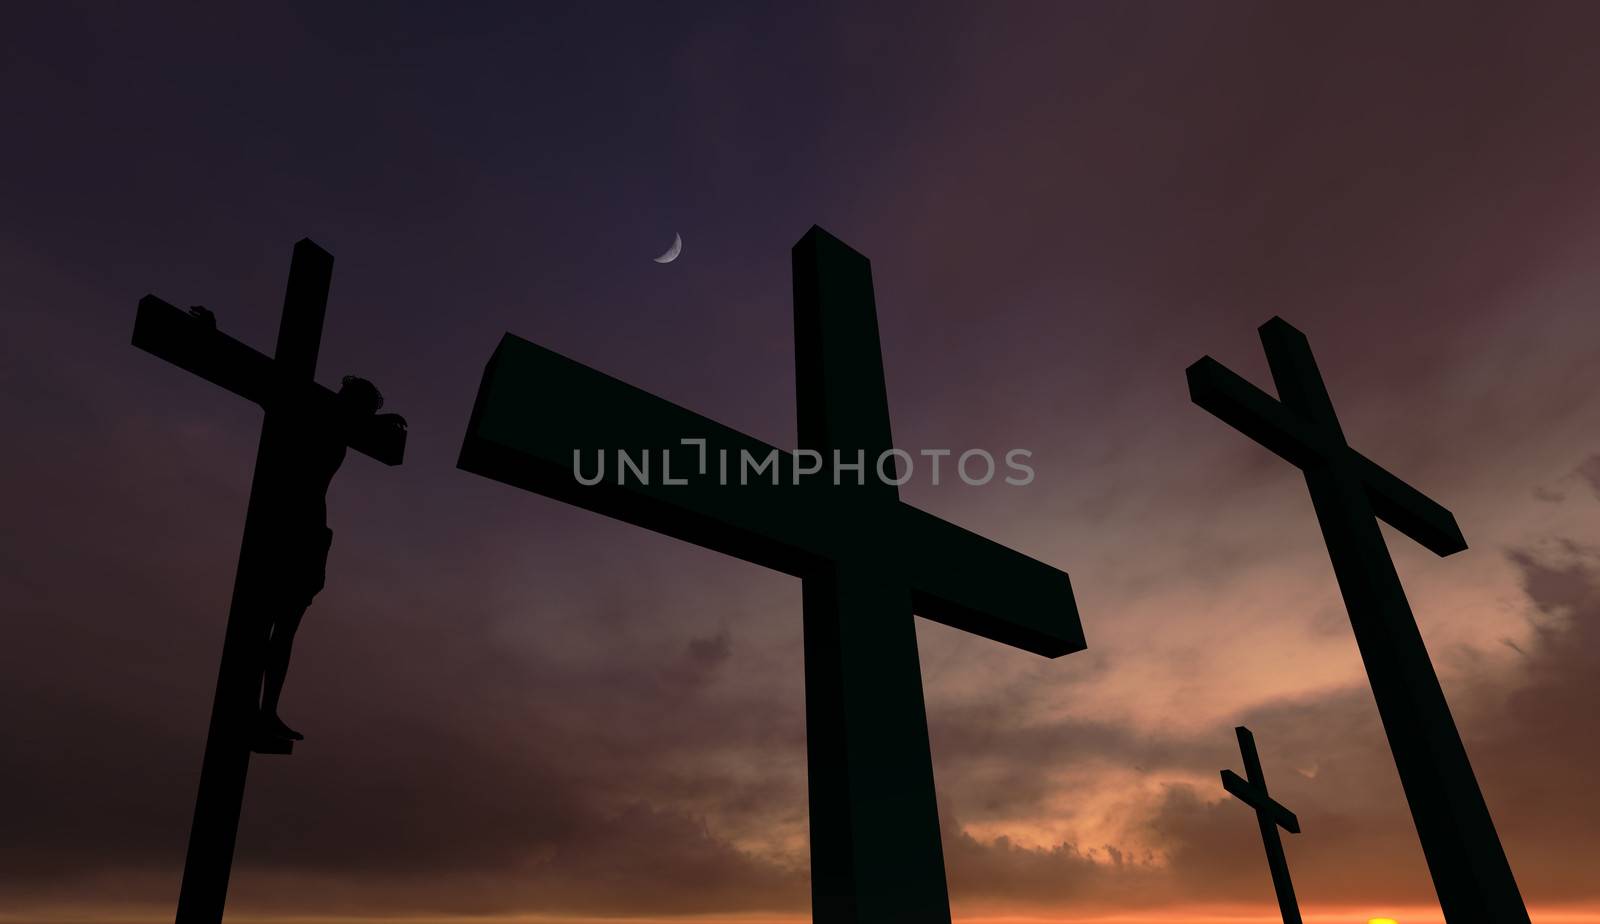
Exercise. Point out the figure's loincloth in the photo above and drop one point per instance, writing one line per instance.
(299, 566)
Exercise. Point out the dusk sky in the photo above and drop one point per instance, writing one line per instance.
(518, 710)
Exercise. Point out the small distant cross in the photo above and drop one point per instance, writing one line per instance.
(1252, 791)
(867, 560)
(284, 386)
(1350, 494)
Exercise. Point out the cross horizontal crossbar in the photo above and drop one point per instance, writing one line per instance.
(183, 340)
(1256, 797)
(955, 577)
(1309, 444)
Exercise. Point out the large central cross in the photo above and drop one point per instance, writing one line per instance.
(867, 560)
(1350, 494)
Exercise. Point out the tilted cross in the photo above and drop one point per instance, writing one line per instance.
(867, 562)
(1350, 493)
(1252, 791)
(284, 386)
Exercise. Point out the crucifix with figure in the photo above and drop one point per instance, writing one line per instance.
(1252, 791)
(1350, 494)
(868, 562)
(304, 436)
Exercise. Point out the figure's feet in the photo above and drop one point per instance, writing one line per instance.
(272, 725)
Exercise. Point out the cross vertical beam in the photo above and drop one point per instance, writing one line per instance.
(1471, 874)
(305, 305)
(208, 863)
(1270, 816)
(875, 848)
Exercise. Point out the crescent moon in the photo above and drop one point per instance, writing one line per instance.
(673, 251)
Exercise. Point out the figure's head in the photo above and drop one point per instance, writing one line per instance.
(359, 397)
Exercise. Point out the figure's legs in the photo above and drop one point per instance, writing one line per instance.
(276, 668)
(297, 599)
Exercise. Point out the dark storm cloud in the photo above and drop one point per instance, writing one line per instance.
(1357, 844)
(578, 786)
(1589, 471)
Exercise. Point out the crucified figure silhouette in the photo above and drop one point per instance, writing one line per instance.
(301, 538)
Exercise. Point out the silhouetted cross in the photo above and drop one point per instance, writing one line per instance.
(283, 385)
(1271, 816)
(1350, 493)
(868, 562)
